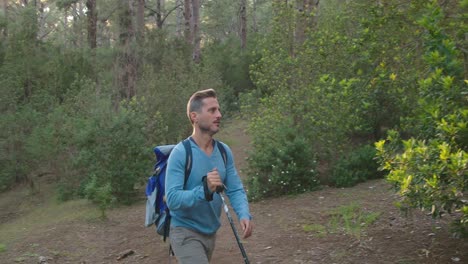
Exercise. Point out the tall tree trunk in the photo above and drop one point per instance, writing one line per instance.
(126, 75)
(140, 18)
(301, 21)
(159, 15)
(188, 23)
(313, 8)
(306, 18)
(75, 35)
(92, 23)
(243, 24)
(179, 18)
(5, 13)
(254, 16)
(92, 37)
(196, 28)
(465, 58)
(65, 37)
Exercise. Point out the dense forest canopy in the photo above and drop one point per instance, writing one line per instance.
(88, 87)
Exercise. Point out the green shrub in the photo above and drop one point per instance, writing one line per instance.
(285, 165)
(357, 166)
(3, 248)
(430, 169)
(431, 175)
(232, 62)
(101, 194)
(352, 219)
(112, 148)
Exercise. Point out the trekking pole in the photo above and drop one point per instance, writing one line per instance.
(244, 254)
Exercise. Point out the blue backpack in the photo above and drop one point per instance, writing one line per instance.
(157, 212)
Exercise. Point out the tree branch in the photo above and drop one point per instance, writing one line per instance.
(104, 19)
(157, 12)
(170, 11)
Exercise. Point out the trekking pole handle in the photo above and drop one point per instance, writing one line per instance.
(221, 188)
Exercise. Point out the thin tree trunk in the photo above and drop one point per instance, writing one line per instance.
(75, 30)
(307, 18)
(313, 7)
(188, 23)
(92, 37)
(92, 23)
(301, 21)
(465, 58)
(65, 26)
(162, 11)
(243, 24)
(126, 75)
(81, 34)
(254, 16)
(159, 15)
(5, 13)
(140, 18)
(196, 34)
(179, 18)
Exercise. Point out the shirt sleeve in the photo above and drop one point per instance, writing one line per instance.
(235, 190)
(176, 197)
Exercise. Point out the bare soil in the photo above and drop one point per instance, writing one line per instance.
(283, 232)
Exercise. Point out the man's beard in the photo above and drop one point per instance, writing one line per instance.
(208, 130)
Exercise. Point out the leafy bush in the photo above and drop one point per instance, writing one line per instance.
(357, 166)
(430, 170)
(100, 194)
(285, 165)
(112, 151)
(431, 175)
(232, 62)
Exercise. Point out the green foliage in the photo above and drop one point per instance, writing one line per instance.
(3, 247)
(65, 4)
(349, 219)
(352, 219)
(317, 229)
(15, 159)
(100, 194)
(233, 65)
(340, 81)
(357, 166)
(431, 175)
(431, 170)
(168, 79)
(281, 164)
(112, 150)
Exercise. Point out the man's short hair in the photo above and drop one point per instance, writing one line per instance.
(195, 102)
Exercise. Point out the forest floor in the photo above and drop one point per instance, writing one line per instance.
(307, 228)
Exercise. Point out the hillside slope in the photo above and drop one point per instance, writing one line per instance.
(299, 229)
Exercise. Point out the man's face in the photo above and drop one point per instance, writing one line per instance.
(208, 120)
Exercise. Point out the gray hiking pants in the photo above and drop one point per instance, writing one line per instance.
(191, 247)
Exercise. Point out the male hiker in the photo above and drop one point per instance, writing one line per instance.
(195, 206)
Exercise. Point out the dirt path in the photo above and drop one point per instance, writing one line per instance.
(299, 229)
(280, 236)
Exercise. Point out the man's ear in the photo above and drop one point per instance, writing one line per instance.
(193, 116)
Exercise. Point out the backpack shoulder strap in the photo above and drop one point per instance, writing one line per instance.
(188, 159)
(222, 150)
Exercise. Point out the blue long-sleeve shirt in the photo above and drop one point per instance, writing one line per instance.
(188, 206)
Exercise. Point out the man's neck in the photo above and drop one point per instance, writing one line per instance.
(204, 141)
